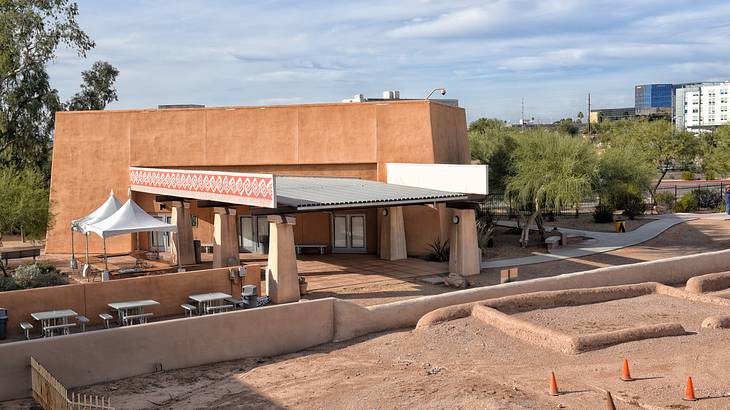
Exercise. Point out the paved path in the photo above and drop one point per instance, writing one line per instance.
(600, 242)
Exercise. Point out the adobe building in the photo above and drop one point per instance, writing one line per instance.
(344, 150)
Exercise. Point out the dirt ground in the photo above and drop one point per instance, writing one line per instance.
(459, 364)
(623, 314)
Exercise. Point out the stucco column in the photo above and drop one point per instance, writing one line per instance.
(183, 238)
(392, 234)
(445, 221)
(225, 239)
(464, 255)
(282, 277)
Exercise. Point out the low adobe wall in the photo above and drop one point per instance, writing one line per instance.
(354, 320)
(708, 283)
(110, 354)
(90, 299)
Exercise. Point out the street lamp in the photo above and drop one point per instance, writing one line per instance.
(441, 90)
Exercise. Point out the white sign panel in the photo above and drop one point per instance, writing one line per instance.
(468, 179)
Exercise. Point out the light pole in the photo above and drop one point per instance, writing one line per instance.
(441, 90)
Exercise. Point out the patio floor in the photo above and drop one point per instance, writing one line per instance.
(366, 279)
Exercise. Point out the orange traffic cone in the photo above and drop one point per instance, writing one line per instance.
(610, 405)
(689, 392)
(553, 385)
(626, 374)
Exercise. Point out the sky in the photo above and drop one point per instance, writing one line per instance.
(488, 54)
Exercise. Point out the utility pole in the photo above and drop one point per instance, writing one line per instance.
(589, 113)
(522, 118)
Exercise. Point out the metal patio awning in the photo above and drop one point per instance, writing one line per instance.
(325, 193)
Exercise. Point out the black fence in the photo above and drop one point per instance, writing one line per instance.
(499, 206)
(679, 190)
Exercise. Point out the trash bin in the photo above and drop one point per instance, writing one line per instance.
(3, 323)
(249, 294)
(196, 251)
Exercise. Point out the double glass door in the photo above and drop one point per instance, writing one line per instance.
(160, 241)
(348, 233)
(254, 233)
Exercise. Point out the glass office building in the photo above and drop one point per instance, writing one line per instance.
(652, 99)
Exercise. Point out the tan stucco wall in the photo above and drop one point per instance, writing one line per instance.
(90, 299)
(111, 354)
(93, 150)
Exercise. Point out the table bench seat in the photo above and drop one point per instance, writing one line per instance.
(66, 328)
(141, 318)
(218, 308)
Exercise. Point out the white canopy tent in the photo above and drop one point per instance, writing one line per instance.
(129, 218)
(104, 211)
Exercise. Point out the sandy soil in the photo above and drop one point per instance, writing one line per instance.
(459, 364)
(624, 313)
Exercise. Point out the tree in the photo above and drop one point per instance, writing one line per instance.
(567, 126)
(492, 143)
(717, 154)
(621, 178)
(30, 33)
(552, 170)
(24, 202)
(580, 117)
(97, 89)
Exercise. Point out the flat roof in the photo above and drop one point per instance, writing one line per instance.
(323, 193)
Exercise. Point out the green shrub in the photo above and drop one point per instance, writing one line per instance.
(439, 251)
(7, 283)
(687, 203)
(664, 201)
(688, 175)
(708, 198)
(632, 204)
(603, 214)
(38, 275)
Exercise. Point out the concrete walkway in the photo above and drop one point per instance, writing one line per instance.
(600, 242)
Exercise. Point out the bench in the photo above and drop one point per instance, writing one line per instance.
(552, 242)
(140, 318)
(213, 309)
(83, 320)
(189, 309)
(106, 318)
(26, 328)
(66, 328)
(235, 302)
(320, 247)
(19, 253)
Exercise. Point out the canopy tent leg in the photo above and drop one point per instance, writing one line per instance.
(105, 275)
(74, 264)
(85, 271)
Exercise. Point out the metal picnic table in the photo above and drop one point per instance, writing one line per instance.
(54, 319)
(212, 299)
(133, 309)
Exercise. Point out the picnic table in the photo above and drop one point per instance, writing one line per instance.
(53, 320)
(211, 302)
(129, 311)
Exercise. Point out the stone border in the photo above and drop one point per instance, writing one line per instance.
(497, 313)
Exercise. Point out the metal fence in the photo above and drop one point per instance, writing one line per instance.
(500, 207)
(679, 190)
(52, 395)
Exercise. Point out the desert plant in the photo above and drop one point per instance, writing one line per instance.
(664, 201)
(688, 175)
(7, 283)
(439, 251)
(603, 214)
(35, 275)
(687, 203)
(708, 198)
(633, 205)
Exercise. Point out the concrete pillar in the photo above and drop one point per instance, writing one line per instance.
(225, 238)
(464, 254)
(282, 277)
(182, 240)
(445, 221)
(392, 234)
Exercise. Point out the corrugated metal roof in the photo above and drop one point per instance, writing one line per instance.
(309, 193)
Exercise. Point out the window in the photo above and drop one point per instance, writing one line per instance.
(194, 221)
(695, 118)
(695, 110)
(711, 118)
(723, 91)
(723, 100)
(723, 109)
(723, 118)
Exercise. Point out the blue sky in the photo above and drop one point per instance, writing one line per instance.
(488, 54)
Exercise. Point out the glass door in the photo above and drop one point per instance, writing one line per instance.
(160, 241)
(254, 234)
(348, 233)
